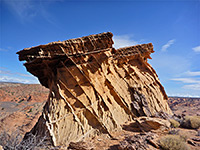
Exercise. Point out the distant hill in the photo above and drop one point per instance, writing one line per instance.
(17, 91)
(185, 105)
(20, 105)
(4, 84)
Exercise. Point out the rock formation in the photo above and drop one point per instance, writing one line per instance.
(94, 88)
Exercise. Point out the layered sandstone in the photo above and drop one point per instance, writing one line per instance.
(94, 88)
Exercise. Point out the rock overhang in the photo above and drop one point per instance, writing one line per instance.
(81, 46)
(94, 88)
(52, 53)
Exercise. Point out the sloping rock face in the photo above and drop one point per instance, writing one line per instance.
(94, 88)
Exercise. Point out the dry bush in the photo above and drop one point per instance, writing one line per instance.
(10, 141)
(191, 122)
(14, 142)
(173, 142)
(174, 123)
(174, 132)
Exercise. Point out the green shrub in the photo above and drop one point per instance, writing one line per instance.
(173, 142)
(192, 122)
(174, 123)
(30, 110)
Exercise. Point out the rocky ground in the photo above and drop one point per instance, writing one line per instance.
(21, 105)
(185, 105)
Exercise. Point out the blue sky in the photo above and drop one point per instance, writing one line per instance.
(172, 26)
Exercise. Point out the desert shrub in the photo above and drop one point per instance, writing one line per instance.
(174, 132)
(182, 135)
(30, 110)
(174, 123)
(173, 142)
(14, 141)
(192, 122)
(10, 141)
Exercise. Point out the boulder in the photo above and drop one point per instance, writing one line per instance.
(81, 146)
(94, 88)
(149, 123)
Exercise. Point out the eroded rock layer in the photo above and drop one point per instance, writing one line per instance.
(94, 88)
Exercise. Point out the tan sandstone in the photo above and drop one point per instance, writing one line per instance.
(94, 88)
(149, 123)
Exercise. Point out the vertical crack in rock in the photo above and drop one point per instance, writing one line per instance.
(94, 88)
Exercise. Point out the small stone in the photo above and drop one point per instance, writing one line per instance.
(1, 147)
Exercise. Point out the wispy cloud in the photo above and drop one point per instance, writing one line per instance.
(123, 41)
(3, 50)
(195, 73)
(8, 76)
(192, 86)
(18, 80)
(196, 49)
(27, 10)
(24, 75)
(167, 45)
(182, 95)
(189, 83)
(8, 72)
(5, 72)
(186, 80)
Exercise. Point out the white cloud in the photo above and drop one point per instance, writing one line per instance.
(24, 75)
(196, 49)
(195, 73)
(8, 76)
(6, 49)
(191, 83)
(18, 80)
(25, 9)
(186, 80)
(166, 46)
(3, 50)
(5, 71)
(182, 95)
(192, 86)
(123, 41)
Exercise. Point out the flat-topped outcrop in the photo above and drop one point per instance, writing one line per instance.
(94, 88)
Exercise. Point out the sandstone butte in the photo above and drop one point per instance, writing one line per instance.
(94, 88)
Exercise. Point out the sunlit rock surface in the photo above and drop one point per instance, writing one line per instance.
(94, 88)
